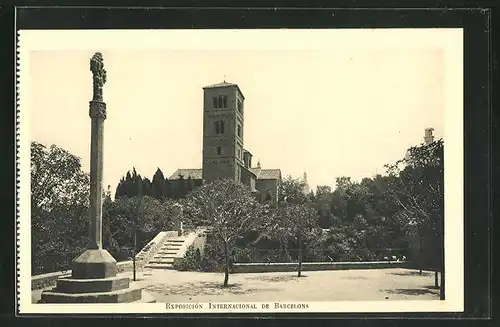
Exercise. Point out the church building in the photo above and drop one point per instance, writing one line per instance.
(224, 154)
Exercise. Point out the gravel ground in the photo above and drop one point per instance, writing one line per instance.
(339, 285)
(335, 285)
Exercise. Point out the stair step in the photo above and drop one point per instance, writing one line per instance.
(159, 266)
(166, 252)
(159, 257)
(162, 260)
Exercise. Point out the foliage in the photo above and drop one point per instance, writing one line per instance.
(294, 220)
(229, 209)
(130, 186)
(149, 215)
(292, 191)
(158, 187)
(191, 260)
(59, 208)
(417, 186)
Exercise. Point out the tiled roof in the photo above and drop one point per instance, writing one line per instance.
(198, 173)
(256, 171)
(266, 173)
(222, 84)
(270, 174)
(194, 173)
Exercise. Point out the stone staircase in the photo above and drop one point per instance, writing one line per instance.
(164, 258)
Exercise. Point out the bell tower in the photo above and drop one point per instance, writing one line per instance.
(222, 131)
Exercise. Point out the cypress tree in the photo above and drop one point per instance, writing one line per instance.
(158, 190)
(119, 193)
(146, 187)
(168, 188)
(128, 186)
(138, 185)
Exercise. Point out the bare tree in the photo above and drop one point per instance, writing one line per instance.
(229, 209)
(295, 220)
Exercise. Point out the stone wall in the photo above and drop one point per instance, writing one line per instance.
(316, 266)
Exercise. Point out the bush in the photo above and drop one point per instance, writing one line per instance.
(213, 258)
(192, 260)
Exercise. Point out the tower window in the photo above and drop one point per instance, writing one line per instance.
(219, 102)
(240, 106)
(239, 130)
(219, 150)
(219, 127)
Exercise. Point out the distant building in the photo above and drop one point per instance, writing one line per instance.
(224, 155)
(306, 188)
(428, 137)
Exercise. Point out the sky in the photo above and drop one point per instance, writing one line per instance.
(330, 112)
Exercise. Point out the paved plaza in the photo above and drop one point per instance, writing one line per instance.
(337, 285)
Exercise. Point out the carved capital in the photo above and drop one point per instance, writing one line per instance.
(97, 109)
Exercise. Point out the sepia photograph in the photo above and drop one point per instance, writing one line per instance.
(230, 171)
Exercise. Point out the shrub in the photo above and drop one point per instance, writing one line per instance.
(192, 260)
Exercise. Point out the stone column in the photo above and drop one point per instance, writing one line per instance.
(98, 115)
(93, 278)
(96, 262)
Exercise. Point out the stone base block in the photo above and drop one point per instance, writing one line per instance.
(71, 285)
(120, 296)
(93, 264)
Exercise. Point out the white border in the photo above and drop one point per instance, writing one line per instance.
(450, 40)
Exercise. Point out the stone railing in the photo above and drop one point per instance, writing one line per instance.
(150, 250)
(49, 280)
(316, 266)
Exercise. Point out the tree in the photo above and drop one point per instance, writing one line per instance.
(291, 190)
(417, 186)
(60, 193)
(146, 214)
(295, 220)
(158, 185)
(130, 186)
(146, 187)
(168, 188)
(229, 209)
(323, 199)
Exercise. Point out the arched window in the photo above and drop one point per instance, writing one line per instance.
(225, 101)
(239, 130)
(215, 103)
(219, 150)
(219, 127)
(220, 102)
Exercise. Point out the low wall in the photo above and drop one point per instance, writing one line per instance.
(49, 280)
(316, 266)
